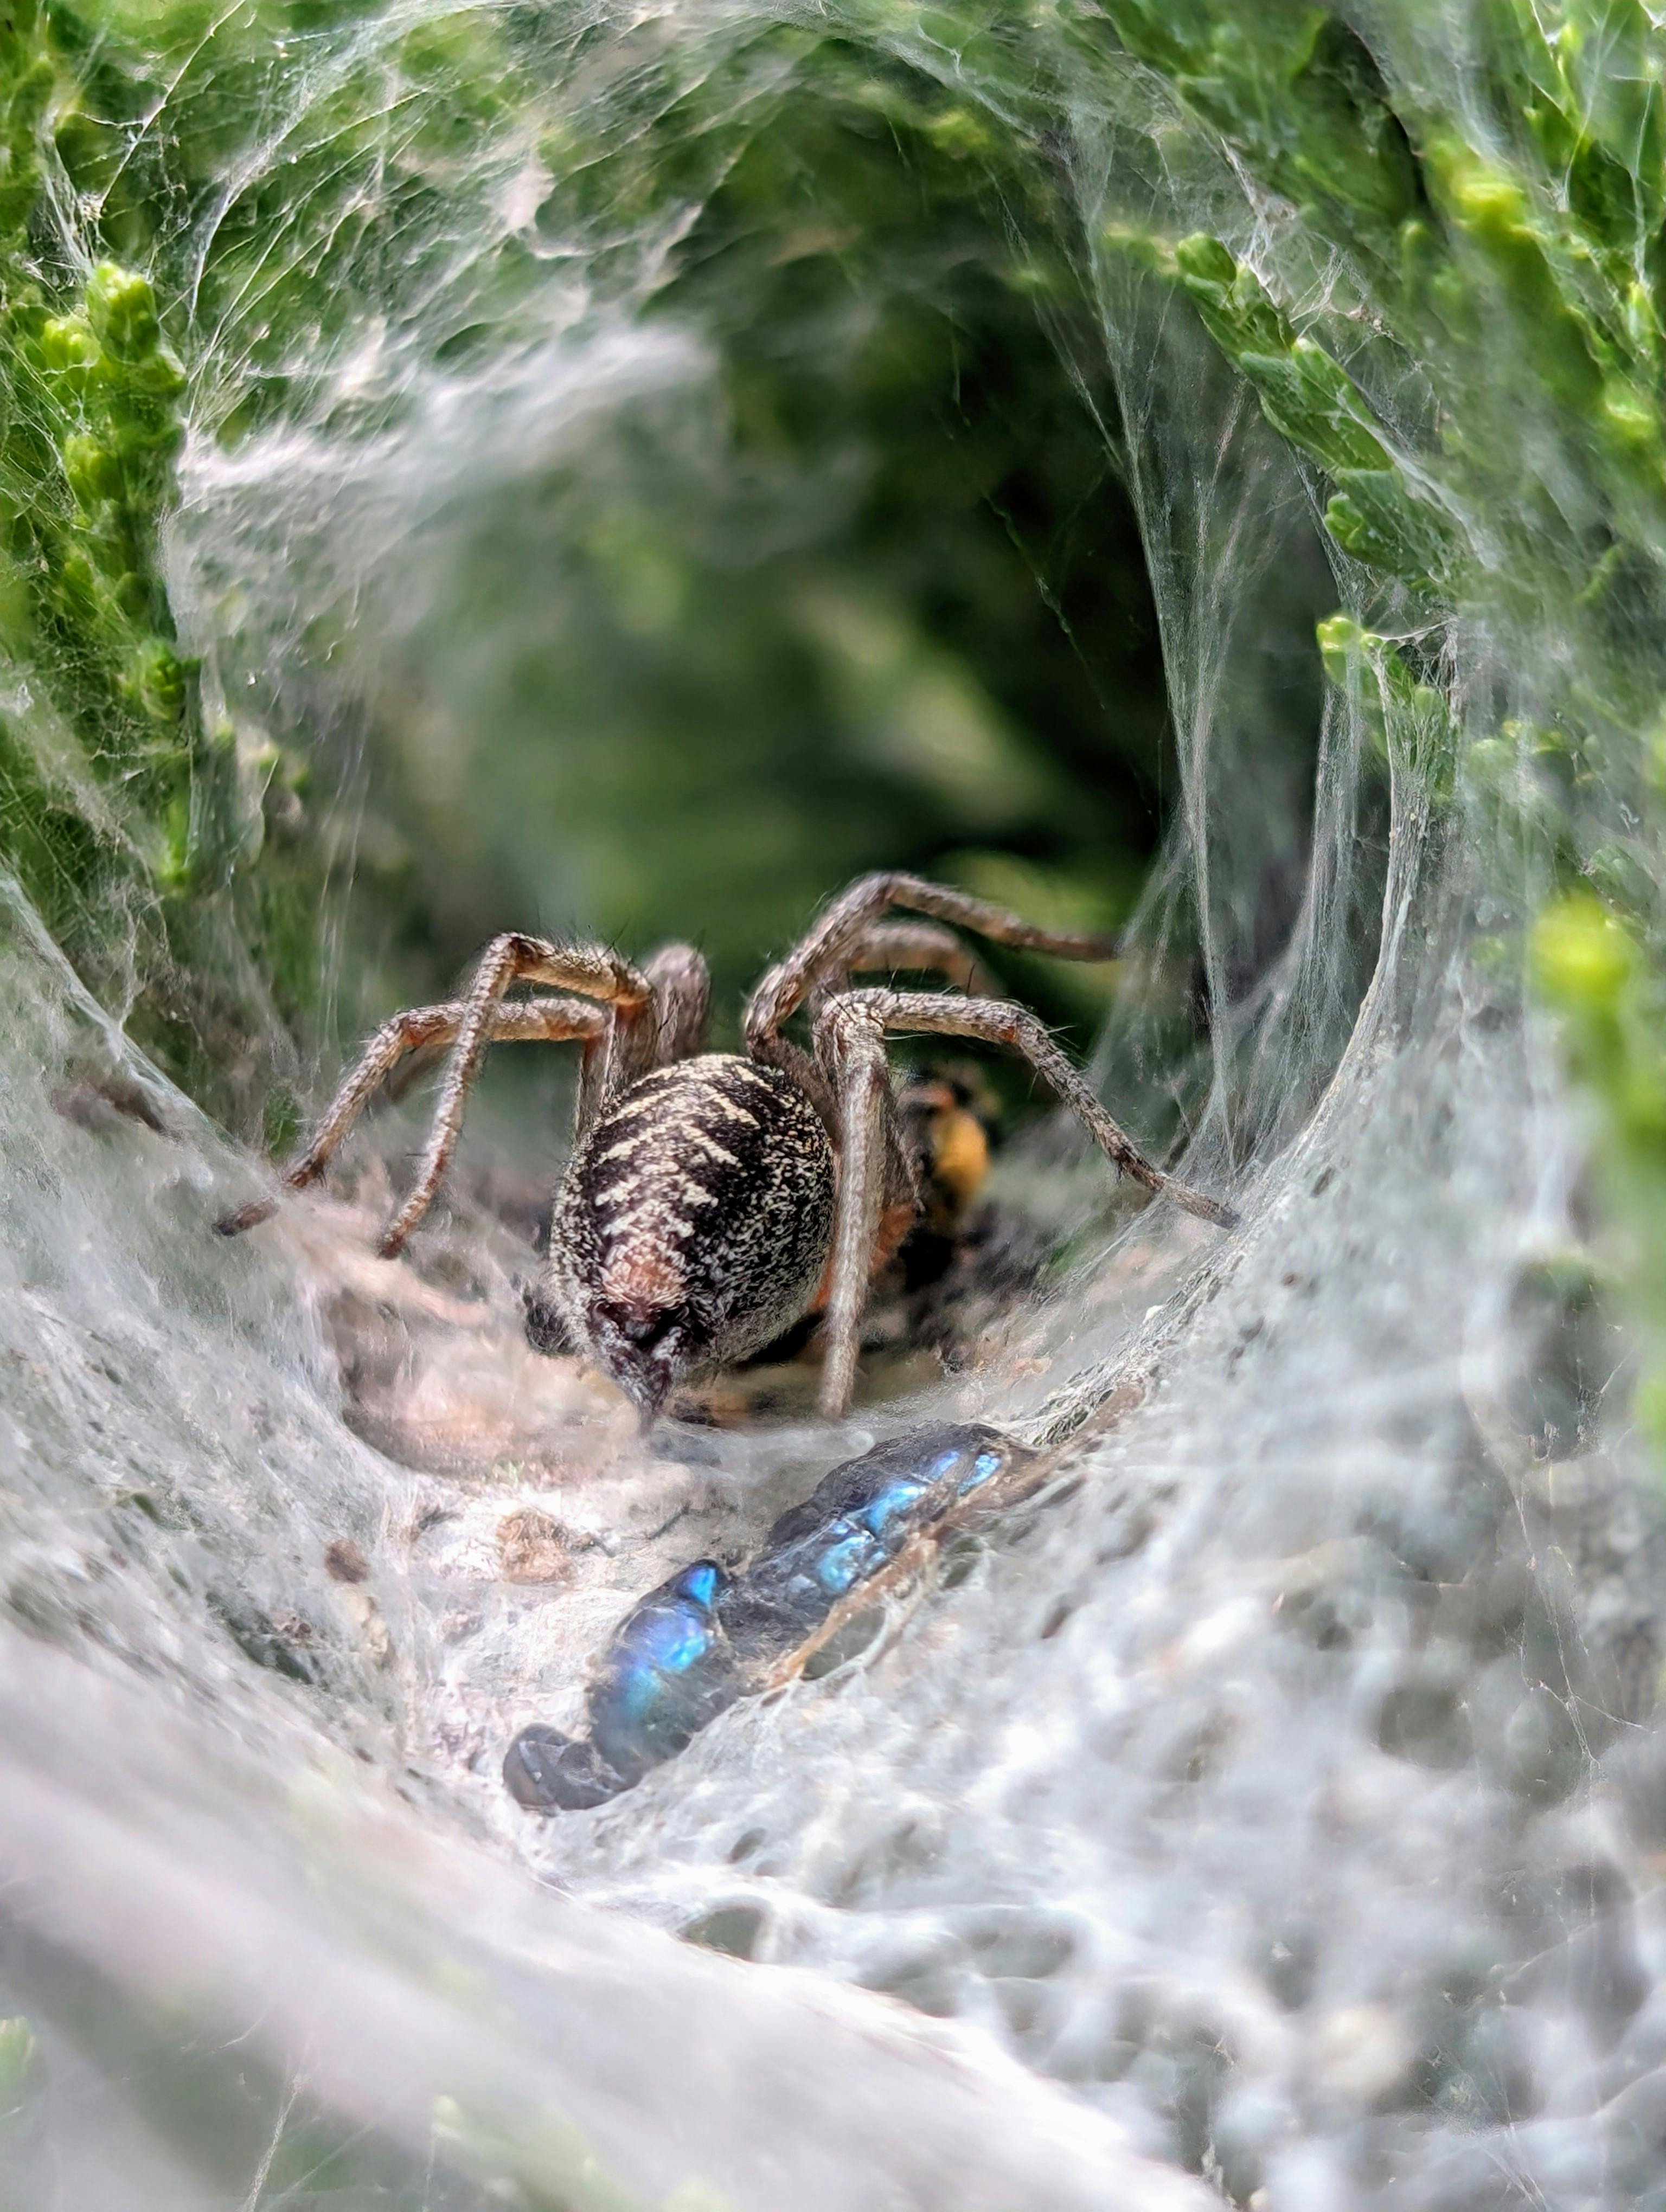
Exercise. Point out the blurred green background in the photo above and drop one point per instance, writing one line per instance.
(873, 597)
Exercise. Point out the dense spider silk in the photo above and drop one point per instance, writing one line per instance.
(1283, 1798)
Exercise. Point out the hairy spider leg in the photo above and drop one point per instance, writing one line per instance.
(851, 1039)
(674, 1028)
(850, 918)
(682, 987)
(541, 1021)
(850, 1031)
(1003, 1022)
(589, 969)
(911, 947)
(628, 1023)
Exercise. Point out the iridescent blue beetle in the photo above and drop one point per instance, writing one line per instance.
(704, 1638)
(855, 1524)
(665, 1674)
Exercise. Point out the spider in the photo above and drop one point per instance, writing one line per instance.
(712, 1200)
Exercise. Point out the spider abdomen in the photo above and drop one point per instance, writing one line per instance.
(693, 1224)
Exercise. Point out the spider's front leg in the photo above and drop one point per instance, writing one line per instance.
(850, 1033)
(514, 958)
(1003, 1022)
(895, 947)
(853, 933)
(419, 1028)
(874, 1177)
(620, 1018)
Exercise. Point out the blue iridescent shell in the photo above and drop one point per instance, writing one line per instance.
(852, 1526)
(663, 1674)
(704, 1637)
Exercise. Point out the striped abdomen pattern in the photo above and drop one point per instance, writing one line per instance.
(693, 1223)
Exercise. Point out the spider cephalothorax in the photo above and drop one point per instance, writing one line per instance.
(713, 1198)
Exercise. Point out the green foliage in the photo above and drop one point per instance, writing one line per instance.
(20, 2049)
(1408, 722)
(1608, 988)
(547, 2167)
(1376, 515)
(1296, 90)
(126, 815)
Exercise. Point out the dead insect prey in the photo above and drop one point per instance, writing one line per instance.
(713, 1198)
(705, 1637)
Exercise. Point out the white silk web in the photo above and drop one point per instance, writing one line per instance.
(1272, 1815)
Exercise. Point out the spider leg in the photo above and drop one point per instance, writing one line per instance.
(673, 1029)
(850, 1045)
(849, 919)
(681, 984)
(681, 987)
(514, 958)
(924, 947)
(419, 1028)
(1002, 1022)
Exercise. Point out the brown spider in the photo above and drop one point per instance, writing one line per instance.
(713, 1198)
